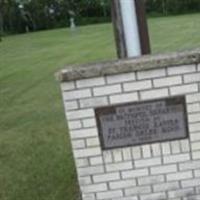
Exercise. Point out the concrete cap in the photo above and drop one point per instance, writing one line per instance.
(76, 72)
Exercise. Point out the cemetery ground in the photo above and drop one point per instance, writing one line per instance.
(35, 154)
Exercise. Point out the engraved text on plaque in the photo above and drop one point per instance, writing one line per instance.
(142, 122)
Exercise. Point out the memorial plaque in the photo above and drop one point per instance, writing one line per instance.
(142, 122)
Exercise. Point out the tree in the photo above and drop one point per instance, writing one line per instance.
(1, 18)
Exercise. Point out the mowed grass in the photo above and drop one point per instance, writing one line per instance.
(35, 154)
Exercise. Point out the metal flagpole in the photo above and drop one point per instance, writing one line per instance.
(130, 25)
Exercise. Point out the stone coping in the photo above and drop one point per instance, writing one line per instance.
(76, 72)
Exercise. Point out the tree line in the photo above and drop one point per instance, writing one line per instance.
(18, 16)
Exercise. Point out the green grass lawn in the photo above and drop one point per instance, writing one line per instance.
(35, 154)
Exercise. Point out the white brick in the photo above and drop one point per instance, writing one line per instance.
(151, 180)
(155, 196)
(146, 151)
(151, 74)
(139, 85)
(165, 169)
(181, 69)
(119, 166)
(119, 78)
(178, 198)
(90, 170)
(166, 148)
(189, 165)
(83, 162)
(123, 98)
(72, 115)
(156, 149)
(194, 118)
(90, 82)
(179, 176)
(148, 162)
(196, 146)
(175, 146)
(134, 173)
(78, 144)
(92, 142)
(90, 196)
(65, 86)
(93, 102)
(110, 194)
(198, 190)
(122, 184)
(117, 155)
(193, 108)
(126, 153)
(82, 153)
(190, 183)
(181, 193)
(127, 198)
(107, 156)
(194, 137)
(192, 197)
(176, 158)
(192, 98)
(161, 187)
(71, 105)
(191, 78)
(87, 123)
(83, 133)
(106, 177)
(152, 94)
(138, 190)
(107, 90)
(196, 155)
(185, 146)
(94, 188)
(73, 125)
(136, 153)
(77, 94)
(96, 160)
(194, 127)
(169, 81)
(85, 180)
(184, 89)
(197, 173)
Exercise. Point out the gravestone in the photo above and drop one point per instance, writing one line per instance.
(134, 126)
(72, 20)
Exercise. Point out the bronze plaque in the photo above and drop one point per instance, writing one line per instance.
(142, 122)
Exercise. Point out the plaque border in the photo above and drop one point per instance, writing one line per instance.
(111, 108)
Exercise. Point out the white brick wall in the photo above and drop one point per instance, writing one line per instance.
(122, 184)
(167, 186)
(120, 78)
(167, 170)
(76, 94)
(164, 169)
(184, 89)
(123, 98)
(148, 74)
(107, 90)
(90, 82)
(139, 85)
(156, 93)
(169, 81)
(110, 194)
(148, 162)
(181, 69)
